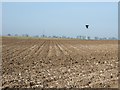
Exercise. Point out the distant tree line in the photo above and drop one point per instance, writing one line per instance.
(95, 38)
(77, 37)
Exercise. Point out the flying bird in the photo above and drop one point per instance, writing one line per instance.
(87, 26)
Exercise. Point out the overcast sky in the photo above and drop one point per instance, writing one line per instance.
(60, 18)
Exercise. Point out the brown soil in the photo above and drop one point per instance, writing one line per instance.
(59, 63)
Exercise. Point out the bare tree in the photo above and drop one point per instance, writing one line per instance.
(96, 38)
(9, 35)
(88, 38)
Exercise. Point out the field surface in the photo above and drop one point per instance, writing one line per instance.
(59, 63)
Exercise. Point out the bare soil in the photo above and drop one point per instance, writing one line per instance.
(59, 63)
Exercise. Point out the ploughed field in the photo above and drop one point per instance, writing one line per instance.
(59, 63)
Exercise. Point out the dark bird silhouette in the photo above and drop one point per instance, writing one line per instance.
(87, 26)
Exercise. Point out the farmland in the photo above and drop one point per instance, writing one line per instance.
(59, 63)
